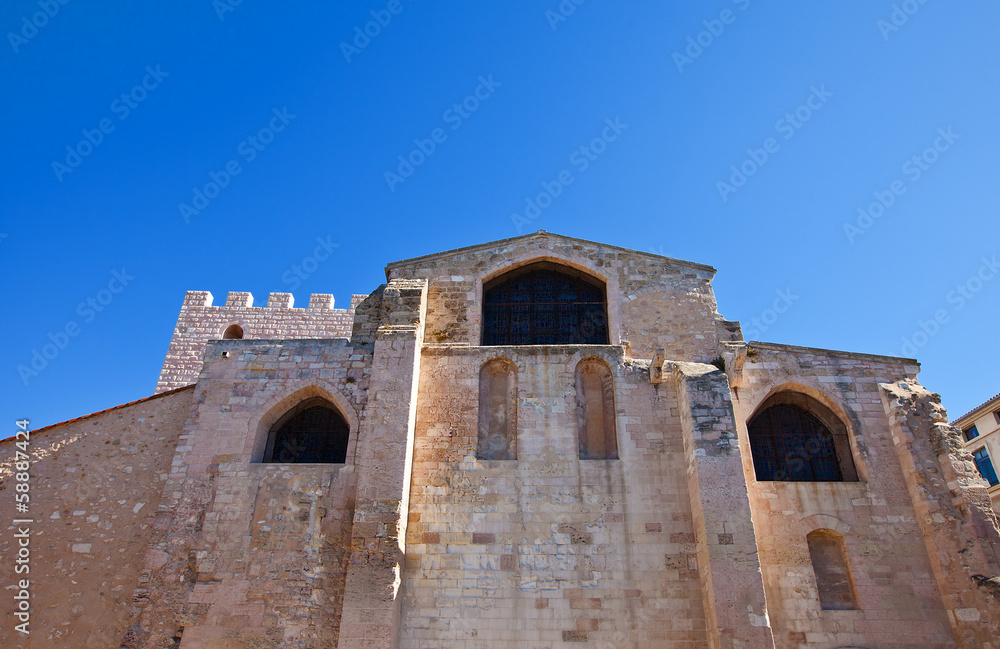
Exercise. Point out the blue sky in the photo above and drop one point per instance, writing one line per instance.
(842, 158)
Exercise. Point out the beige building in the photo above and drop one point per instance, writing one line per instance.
(534, 443)
(981, 432)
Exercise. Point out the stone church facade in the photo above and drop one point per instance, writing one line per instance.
(535, 443)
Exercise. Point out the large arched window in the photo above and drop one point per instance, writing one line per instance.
(545, 304)
(794, 438)
(595, 398)
(311, 433)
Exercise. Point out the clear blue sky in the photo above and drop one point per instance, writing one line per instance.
(839, 97)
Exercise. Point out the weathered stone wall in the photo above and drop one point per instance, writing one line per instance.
(899, 603)
(728, 557)
(200, 322)
(372, 606)
(958, 526)
(95, 491)
(548, 549)
(653, 302)
(250, 554)
(414, 543)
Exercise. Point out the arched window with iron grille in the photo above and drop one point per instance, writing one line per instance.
(313, 432)
(545, 304)
(794, 438)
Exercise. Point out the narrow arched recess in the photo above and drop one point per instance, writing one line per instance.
(497, 437)
(828, 554)
(595, 398)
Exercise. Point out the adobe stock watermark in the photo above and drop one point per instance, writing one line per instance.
(714, 27)
(581, 158)
(958, 298)
(223, 7)
(455, 117)
(363, 35)
(768, 317)
(914, 170)
(31, 25)
(562, 12)
(899, 17)
(88, 309)
(122, 107)
(787, 127)
(249, 148)
(310, 264)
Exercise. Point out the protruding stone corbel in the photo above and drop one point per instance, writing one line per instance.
(656, 371)
(735, 355)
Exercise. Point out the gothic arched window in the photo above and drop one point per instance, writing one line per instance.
(545, 304)
(497, 439)
(794, 438)
(311, 433)
(595, 397)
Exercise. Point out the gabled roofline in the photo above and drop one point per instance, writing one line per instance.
(540, 233)
(831, 352)
(106, 410)
(964, 419)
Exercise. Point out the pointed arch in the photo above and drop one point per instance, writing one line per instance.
(500, 265)
(545, 303)
(312, 432)
(796, 438)
(277, 410)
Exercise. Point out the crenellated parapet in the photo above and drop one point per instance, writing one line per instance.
(201, 321)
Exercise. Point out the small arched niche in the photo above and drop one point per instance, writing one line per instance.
(497, 438)
(313, 432)
(795, 438)
(828, 554)
(545, 303)
(233, 332)
(595, 399)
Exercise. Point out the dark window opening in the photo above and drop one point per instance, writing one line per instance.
(545, 304)
(312, 433)
(233, 332)
(971, 433)
(791, 443)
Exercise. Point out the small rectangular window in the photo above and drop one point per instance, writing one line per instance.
(985, 466)
(970, 433)
(996, 415)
